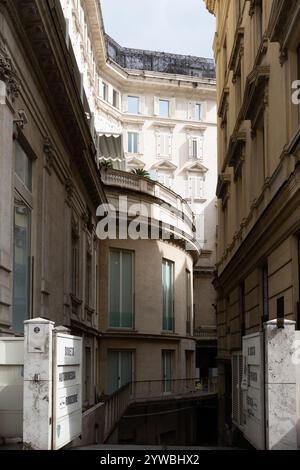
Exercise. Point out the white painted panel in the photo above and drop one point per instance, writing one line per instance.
(11, 387)
(253, 390)
(65, 429)
(67, 416)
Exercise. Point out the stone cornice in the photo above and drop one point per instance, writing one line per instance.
(211, 6)
(284, 19)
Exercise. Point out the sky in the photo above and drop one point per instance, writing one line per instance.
(177, 26)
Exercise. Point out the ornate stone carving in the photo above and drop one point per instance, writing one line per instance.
(8, 73)
(49, 153)
(69, 187)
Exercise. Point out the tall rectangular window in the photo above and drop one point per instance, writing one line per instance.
(121, 289)
(116, 99)
(21, 269)
(195, 149)
(164, 145)
(133, 104)
(132, 142)
(242, 310)
(22, 241)
(74, 263)
(167, 370)
(104, 91)
(23, 166)
(119, 369)
(198, 112)
(168, 295)
(188, 303)
(164, 108)
(88, 280)
(265, 285)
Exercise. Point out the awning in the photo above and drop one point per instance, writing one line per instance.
(110, 147)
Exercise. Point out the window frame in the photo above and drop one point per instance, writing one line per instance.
(164, 100)
(137, 98)
(166, 319)
(120, 327)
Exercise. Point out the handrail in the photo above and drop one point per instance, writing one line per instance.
(116, 404)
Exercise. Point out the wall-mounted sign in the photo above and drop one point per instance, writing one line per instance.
(67, 401)
(253, 390)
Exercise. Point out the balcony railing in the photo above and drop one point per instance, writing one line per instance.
(127, 180)
(153, 390)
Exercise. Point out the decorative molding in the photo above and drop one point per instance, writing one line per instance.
(8, 73)
(284, 20)
(224, 182)
(69, 188)
(49, 154)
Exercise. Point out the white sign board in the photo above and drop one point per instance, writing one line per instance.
(67, 401)
(253, 390)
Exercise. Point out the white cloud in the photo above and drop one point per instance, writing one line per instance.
(178, 26)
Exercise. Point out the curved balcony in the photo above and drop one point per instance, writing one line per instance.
(162, 206)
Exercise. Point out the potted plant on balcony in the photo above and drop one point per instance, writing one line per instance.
(140, 172)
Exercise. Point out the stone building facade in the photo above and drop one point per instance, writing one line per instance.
(49, 183)
(257, 54)
(156, 111)
(52, 263)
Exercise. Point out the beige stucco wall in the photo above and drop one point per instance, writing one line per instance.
(148, 256)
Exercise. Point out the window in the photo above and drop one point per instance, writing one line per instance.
(196, 187)
(164, 110)
(164, 145)
(259, 20)
(195, 148)
(238, 9)
(119, 369)
(188, 304)
(87, 375)
(198, 112)
(116, 99)
(237, 392)
(75, 263)
(168, 295)
(21, 269)
(104, 91)
(23, 166)
(121, 289)
(88, 280)
(167, 370)
(242, 310)
(22, 241)
(265, 288)
(132, 142)
(133, 104)
(225, 58)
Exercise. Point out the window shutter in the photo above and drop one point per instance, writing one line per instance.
(173, 107)
(201, 147)
(157, 145)
(190, 110)
(156, 106)
(203, 110)
(141, 105)
(169, 145)
(140, 143)
(125, 103)
(190, 147)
